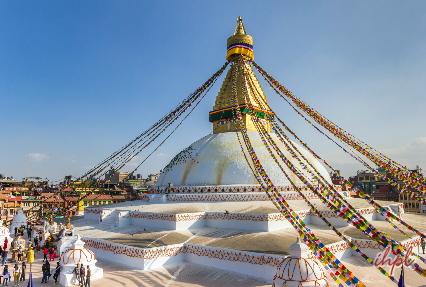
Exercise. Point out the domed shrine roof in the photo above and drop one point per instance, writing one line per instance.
(300, 269)
(19, 218)
(217, 159)
(77, 254)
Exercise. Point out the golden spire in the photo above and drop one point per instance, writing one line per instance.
(239, 30)
(240, 45)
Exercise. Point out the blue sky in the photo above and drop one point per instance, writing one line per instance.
(79, 79)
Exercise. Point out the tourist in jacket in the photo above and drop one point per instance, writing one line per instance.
(57, 273)
(82, 275)
(23, 268)
(5, 243)
(5, 275)
(29, 230)
(45, 252)
(77, 272)
(19, 253)
(88, 275)
(4, 257)
(16, 274)
(48, 270)
(52, 254)
(45, 271)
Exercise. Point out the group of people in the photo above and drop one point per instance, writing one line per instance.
(20, 230)
(46, 272)
(82, 275)
(18, 274)
(49, 252)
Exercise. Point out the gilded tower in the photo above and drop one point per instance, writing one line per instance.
(222, 116)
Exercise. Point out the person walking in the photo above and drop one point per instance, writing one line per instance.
(23, 268)
(77, 272)
(423, 244)
(19, 253)
(36, 241)
(88, 275)
(82, 275)
(4, 257)
(5, 275)
(48, 270)
(29, 230)
(16, 231)
(57, 273)
(52, 254)
(45, 253)
(16, 274)
(45, 271)
(5, 243)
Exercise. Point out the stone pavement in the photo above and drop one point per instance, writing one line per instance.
(184, 274)
(371, 276)
(189, 274)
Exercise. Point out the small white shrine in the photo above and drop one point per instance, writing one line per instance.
(4, 233)
(300, 269)
(18, 220)
(77, 254)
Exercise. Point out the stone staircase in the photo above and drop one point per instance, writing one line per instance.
(109, 220)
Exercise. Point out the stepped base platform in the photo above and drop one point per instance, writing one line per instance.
(255, 216)
(249, 238)
(234, 207)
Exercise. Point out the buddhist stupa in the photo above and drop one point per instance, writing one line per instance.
(217, 159)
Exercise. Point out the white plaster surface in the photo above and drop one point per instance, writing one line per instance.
(218, 159)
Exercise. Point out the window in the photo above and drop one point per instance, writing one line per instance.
(360, 178)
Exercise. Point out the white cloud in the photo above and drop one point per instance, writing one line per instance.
(73, 161)
(133, 163)
(419, 144)
(411, 154)
(162, 154)
(36, 157)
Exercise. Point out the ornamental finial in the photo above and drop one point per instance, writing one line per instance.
(240, 43)
(240, 30)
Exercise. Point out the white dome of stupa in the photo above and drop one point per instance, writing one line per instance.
(300, 269)
(217, 159)
(18, 220)
(77, 254)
